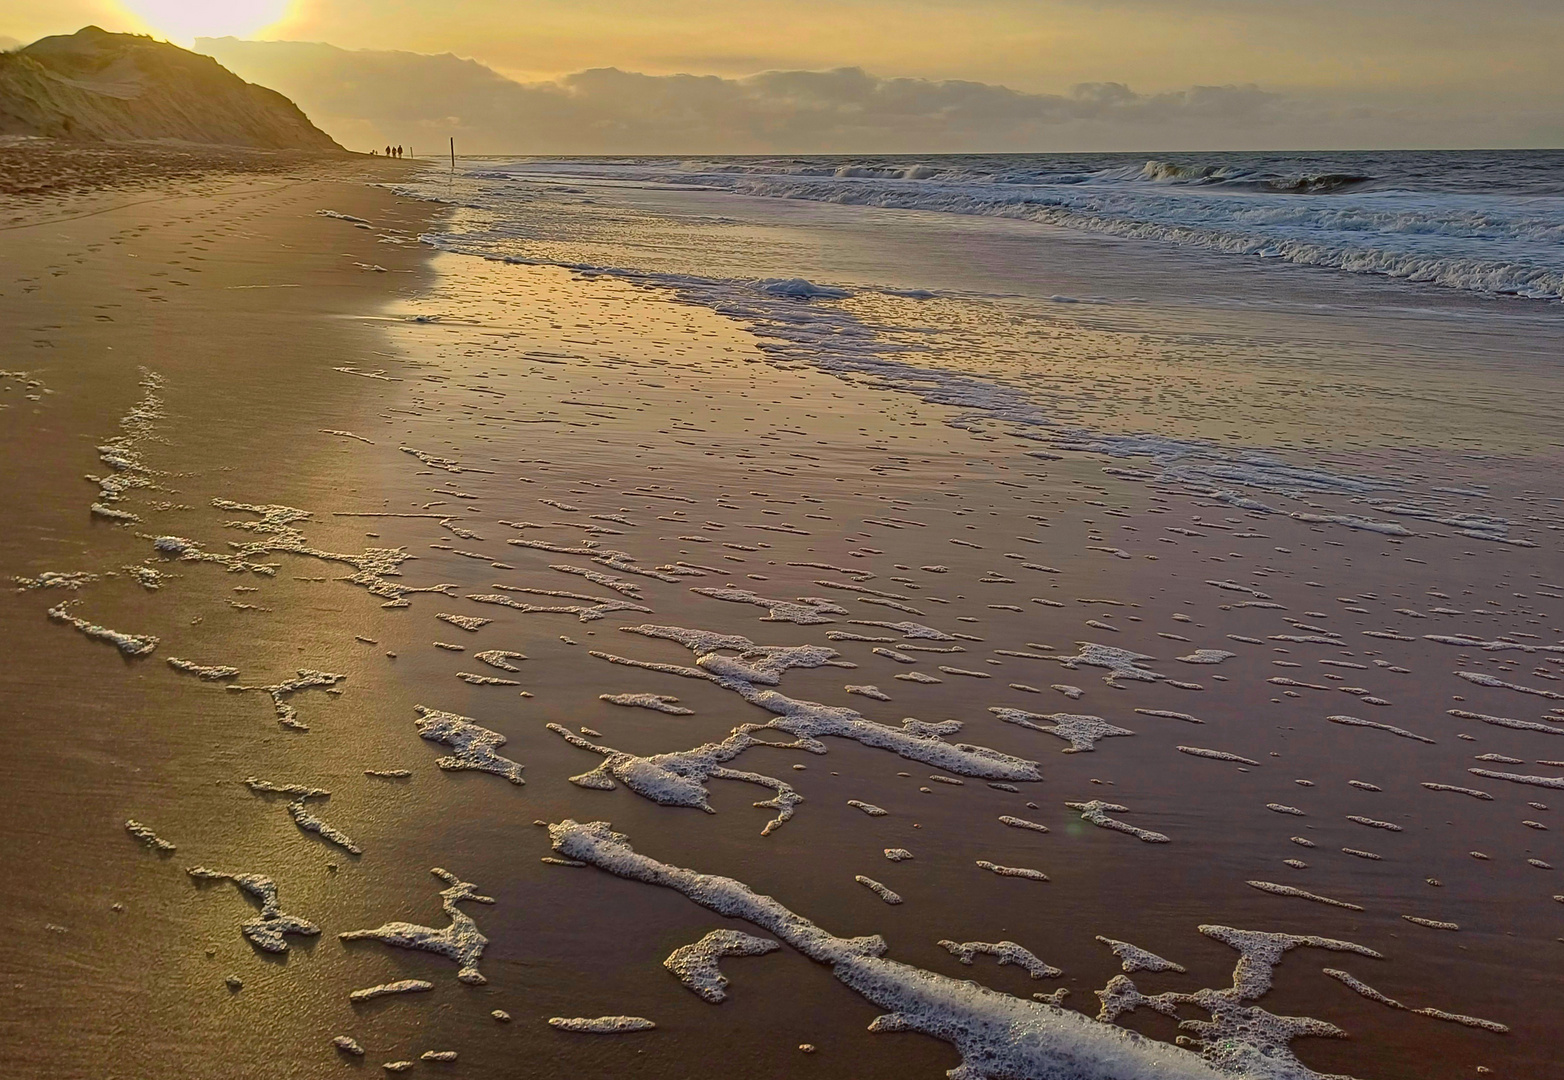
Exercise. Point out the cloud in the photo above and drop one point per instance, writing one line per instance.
(368, 98)
(8, 43)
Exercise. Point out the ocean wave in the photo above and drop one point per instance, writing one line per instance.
(1456, 242)
(1228, 176)
(1360, 220)
(798, 289)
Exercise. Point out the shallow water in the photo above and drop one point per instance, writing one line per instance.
(1478, 221)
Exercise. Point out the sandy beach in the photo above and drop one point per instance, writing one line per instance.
(389, 558)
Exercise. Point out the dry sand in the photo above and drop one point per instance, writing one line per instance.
(446, 406)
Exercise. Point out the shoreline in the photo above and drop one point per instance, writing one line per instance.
(668, 416)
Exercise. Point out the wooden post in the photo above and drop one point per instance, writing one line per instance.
(453, 153)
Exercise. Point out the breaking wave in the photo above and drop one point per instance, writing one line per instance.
(1492, 225)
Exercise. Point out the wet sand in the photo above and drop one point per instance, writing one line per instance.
(447, 406)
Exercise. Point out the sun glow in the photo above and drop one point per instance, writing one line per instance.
(185, 20)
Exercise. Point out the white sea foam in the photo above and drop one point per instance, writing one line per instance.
(147, 836)
(401, 986)
(1555, 782)
(882, 891)
(590, 610)
(1353, 721)
(601, 1025)
(757, 667)
(662, 703)
(1369, 992)
(1080, 731)
(50, 579)
(1121, 663)
(679, 779)
(1214, 755)
(696, 965)
(301, 813)
(997, 1035)
(122, 453)
(1507, 722)
(129, 644)
(269, 928)
(281, 693)
(1006, 952)
(1096, 812)
(1482, 678)
(500, 658)
(1135, 958)
(474, 746)
(461, 941)
(1302, 894)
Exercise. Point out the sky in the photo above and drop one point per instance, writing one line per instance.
(1249, 73)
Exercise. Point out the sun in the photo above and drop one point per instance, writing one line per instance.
(185, 20)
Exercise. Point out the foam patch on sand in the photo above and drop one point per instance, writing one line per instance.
(1484, 679)
(1171, 715)
(1507, 722)
(1121, 663)
(51, 579)
(1554, 782)
(1022, 823)
(268, 929)
(1302, 894)
(1214, 755)
(679, 778)
(209, 672)
(186, 550)
(461, 941)
(601, 1025)
(589, 610)
(1083, 733)
(149, 838)
(1006, 952)
(755, 668)
(882, 891)
(474, 746)
(1207, 656)
(1372, 994)
(122, 453)
(1240, 1039)
(805, 611)
(301, 813)
(1134, 958)
(1096, 812)
(697, 965)
(1353, 721)
(372, 568)
(662, 703)
(1012, 871)
(391, 989)
(997, 1035)
(280, 693)
(620, 561)
(500, 658)
(470, 623)
(129, 644)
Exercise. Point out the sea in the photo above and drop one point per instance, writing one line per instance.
(1247, 318)
(1486, 222)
